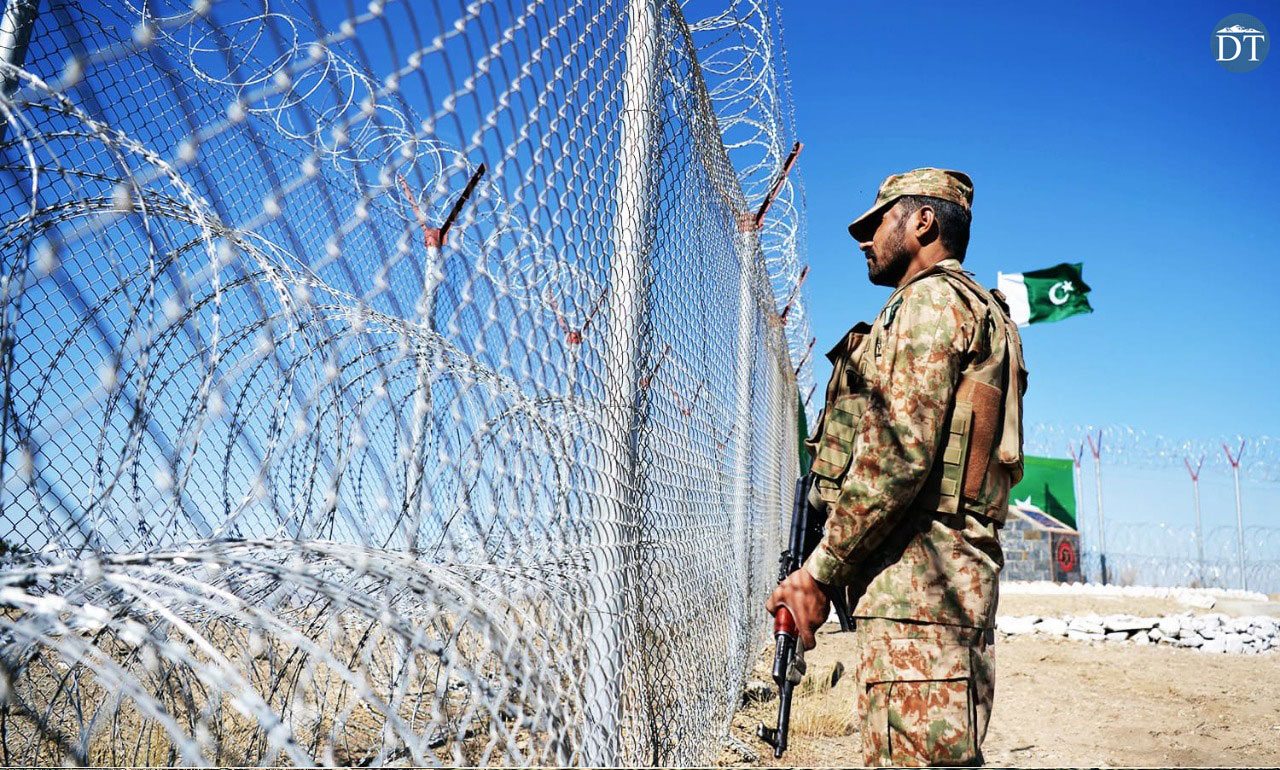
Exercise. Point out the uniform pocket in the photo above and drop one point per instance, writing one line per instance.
(835, 448)
(924, 691)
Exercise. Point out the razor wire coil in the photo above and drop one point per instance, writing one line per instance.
(289, 479)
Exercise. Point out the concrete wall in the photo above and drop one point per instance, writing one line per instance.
(1027, 551)
(1032, 553)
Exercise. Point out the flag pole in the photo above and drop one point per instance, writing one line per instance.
(1096, 451)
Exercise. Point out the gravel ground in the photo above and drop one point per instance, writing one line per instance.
(1062, 703)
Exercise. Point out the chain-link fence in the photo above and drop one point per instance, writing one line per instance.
(408, 382)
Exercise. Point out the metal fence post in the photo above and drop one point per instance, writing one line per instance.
(15, 35)
(612, 527)
(1235, 471)
(747, 245)
(1096, 451)
(1195, 491)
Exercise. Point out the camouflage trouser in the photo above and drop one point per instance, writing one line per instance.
(924, 693)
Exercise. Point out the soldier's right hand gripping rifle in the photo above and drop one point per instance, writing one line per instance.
(788, 656)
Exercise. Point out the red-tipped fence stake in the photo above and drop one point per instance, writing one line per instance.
(433, 237)
(1195, 490)
(1235, 471)
(1096, 451)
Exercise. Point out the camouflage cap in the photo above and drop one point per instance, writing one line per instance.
(942, 183)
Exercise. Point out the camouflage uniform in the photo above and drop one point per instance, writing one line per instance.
(914, 454)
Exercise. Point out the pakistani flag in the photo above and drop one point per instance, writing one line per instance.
(1050, 485)
(1045, 295)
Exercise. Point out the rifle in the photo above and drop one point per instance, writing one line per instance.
(788, 657)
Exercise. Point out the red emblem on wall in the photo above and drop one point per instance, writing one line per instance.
(1065, 553)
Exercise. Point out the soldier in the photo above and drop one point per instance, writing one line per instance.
(913, 457)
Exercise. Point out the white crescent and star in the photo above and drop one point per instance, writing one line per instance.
(1066, 288)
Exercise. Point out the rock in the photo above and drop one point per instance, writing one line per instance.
(1081, 636)
(1234, 643)
(1087, 625)
(1127, 623)
(1156, 634)
(1212, 632)
(1214, 645)
(1239, 625)
(758, 691)
(837, 671)
(1170, 626)
(1199, 601)
(1142, 638)
(745, 752)
(1117, 636)
(1052, 626)
(1190, 640)
(1012, 624)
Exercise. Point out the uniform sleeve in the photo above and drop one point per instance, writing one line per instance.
(899, 435)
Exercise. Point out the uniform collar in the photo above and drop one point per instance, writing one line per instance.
(950, 263)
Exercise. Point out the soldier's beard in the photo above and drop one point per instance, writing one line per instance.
(889, 264)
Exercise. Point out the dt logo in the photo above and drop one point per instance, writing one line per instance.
(1240, 42)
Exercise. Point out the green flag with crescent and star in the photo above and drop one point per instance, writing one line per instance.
(1050, 294)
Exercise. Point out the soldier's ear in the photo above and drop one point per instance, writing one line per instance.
(924, 219)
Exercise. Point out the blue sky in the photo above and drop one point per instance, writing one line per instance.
(1095, 132)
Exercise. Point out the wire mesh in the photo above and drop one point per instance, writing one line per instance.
(385, 384)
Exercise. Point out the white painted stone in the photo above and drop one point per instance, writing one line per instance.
(1199, 601)
(1170, 626)
(1052, 626)
(1215, 645)
(1117, 636)
(1081, 636)
(1046, 588)
(1014, 625)
(1142, 638)
(1234, 643)
(1087, 625)
(1127, 623)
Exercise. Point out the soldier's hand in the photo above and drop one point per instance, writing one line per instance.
(807, 601)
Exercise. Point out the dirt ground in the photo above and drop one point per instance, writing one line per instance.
(1062, 703)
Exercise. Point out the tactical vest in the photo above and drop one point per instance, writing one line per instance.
(981, 454)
